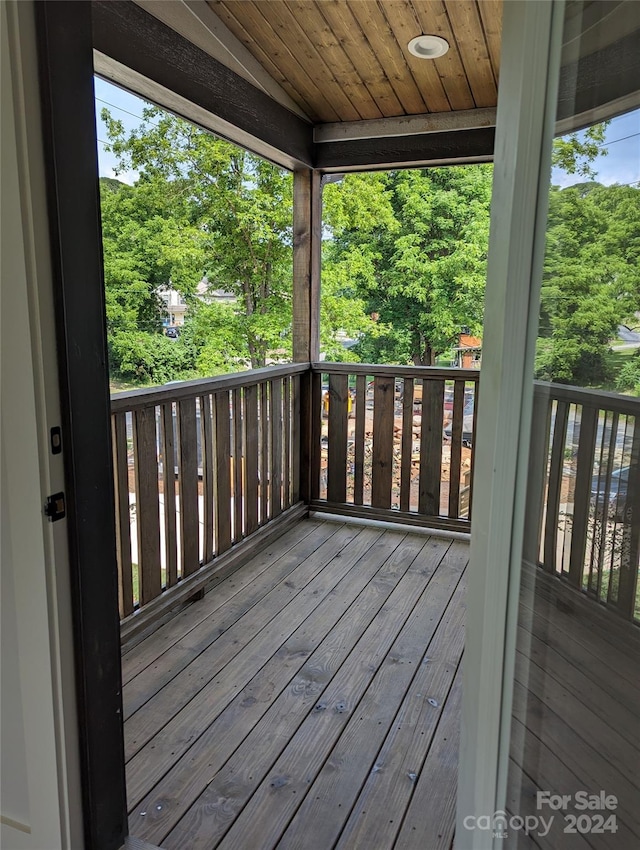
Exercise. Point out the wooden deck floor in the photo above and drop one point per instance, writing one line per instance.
(576, 712)
(311, 700)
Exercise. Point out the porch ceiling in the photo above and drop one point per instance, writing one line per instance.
(331, 83)
(347, 60)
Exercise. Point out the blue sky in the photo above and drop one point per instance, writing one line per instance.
(621, 165)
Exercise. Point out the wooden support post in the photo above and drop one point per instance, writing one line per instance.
(307, 244)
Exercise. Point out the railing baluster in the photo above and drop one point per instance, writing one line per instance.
(264, 453)
(630, 548)
(188, 478)
(407, 444)
(251, 459)
(615, 422)
(337, 453)
(431, 447)
(383, 421)
(169, 493)
(286, 448)
(582, 498)
(238, 456)
(147, 504)
(297, 433)
(455, 457)
(316, 433)
(123, 512)
(208, 471)
(555, 483)
(537, 475)
(223, 472)
(474, 432)
(360, 427)
(275, 415)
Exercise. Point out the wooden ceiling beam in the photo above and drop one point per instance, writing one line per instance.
(456, 147)
(409, 125)
(140, 53)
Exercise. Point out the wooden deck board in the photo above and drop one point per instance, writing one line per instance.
(152, 647)
(385, 653)
(388, 783)
(576, 704)
(191, 645)
(209, 684)
(290, 707)
(293, 674)
(233, 761)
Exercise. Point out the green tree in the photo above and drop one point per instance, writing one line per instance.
(215, 332)
(240, 203)
(242, 207)
(590, 279)
(412, 245)
(149, 244)
(575, 153)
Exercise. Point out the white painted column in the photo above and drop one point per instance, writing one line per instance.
(529, 70)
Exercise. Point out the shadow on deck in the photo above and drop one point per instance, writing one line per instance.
(312, 699)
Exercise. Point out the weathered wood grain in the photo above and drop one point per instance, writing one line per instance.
(147, 504)
(123, 513)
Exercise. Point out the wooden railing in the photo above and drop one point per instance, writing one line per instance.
(199, 466)
(394, 443)
(584, 484)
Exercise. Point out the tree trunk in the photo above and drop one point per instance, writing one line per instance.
(425, 357)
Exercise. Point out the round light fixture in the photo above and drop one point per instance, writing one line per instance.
(428, 46)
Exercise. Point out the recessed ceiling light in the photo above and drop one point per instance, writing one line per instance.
(428, 46)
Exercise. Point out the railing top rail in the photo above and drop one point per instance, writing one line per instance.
(592, 398)
(136, 399)
(448, 374)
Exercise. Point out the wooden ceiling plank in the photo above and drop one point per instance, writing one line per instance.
(404, 23)
(290, 31)
(197, 22)
(346, 29)
(465, 22)
(434, 20)
(491, 17)
(310, 18)
(245, 18)
(380, 36)
(263, 58)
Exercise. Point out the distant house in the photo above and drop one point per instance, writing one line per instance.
(468, 352)
(221, 296)
(176, 306)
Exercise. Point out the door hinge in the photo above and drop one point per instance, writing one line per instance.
(54, 507)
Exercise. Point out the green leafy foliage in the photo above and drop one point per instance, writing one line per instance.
(410, 246)
(151, 358)
(575, 153)
(202, 206)
(216, 334)
(590, 281)
(628, 378)
(240, 205)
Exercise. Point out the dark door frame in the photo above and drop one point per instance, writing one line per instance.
(65, 58)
